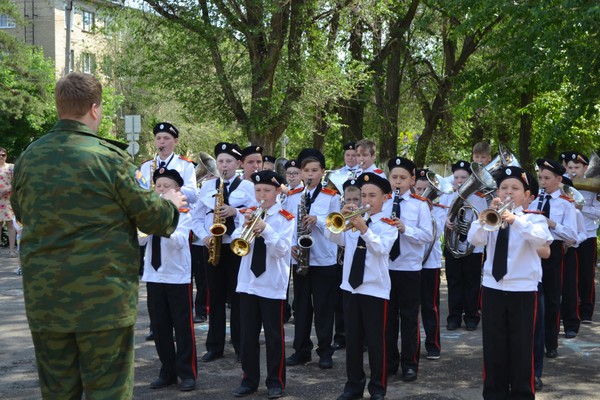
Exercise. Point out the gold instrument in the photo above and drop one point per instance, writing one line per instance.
(217, 229)
(505, 158)
(241, 246)
(479, 180)
(591, 180)
(305, 241)
(438, 185)
(337, 222)
(491, 219)
(206, 168)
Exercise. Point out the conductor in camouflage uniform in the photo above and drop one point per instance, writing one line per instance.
(80, 200)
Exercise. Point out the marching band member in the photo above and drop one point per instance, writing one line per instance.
(222, 278)
(511, 274)
(561, 219)
(262, 285)
(577, 166)
(430, 275)
(411, 214)
(314, 292)
(482, 153)
(366, 286)
(365, 155)
(351, 167)
(464, 274)
(167, 273)
(252, 161)
(268, 163)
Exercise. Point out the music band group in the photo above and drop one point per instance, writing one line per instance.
(364, 251)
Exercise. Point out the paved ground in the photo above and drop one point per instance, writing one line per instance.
(575, 374)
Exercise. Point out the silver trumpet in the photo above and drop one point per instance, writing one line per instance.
(491, 219)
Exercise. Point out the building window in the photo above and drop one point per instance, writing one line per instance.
(88, 21)
(7, 22)
(88, 61)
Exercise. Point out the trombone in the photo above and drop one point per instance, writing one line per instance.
(241, 246)
(337, 222)
(491, 219)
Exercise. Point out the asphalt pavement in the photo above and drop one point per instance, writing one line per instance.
(457, 375)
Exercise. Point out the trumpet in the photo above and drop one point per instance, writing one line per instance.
(491, 219)
(241, 246)
(337, 222)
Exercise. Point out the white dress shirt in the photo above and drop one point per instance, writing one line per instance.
(379, 238)
(562, 211)
(524, 265)
(273, 283)
(179, 164)
(373, 168)
(415, 215)
(176, 260)
(434, 261)
(591, 212)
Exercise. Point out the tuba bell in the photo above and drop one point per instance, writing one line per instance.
(479, 180)
(591, 180)
(505, 158)
(206, 168)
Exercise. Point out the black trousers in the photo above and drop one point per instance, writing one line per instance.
(464, 283)
(508, 325)
(222, 281)
(538, 335)
(257, 312)
(430, 308)
(170, 307)
(365, 318)
(587, 252)
(552, 281)
(199, 277)
(339, 335)
(569, 307)
(315, 293)
(404, 307)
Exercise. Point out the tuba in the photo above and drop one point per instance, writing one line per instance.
(337, 222)
(206, 168)
(241, 246)
(217, 229)
(591, 180)
(479, 180)
(438, 185)
(573, 194)
(505, 158)
(305, 241)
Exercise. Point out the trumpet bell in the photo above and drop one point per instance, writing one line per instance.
(240, 247)
(206, 167)
(490, 220)
(335, 222)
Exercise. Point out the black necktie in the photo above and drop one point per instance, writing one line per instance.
(162, 164)
(259, 257)
(155, 252)
(310, 200)
(501, 254)
(357, 270)
(546, 208)
(396, 247)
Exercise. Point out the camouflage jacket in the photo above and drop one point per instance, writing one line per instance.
(80, 203)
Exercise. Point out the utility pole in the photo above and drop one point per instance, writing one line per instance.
(68, 22)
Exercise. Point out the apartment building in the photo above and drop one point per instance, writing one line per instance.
(46, 27)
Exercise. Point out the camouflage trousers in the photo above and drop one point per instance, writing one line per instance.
(99, 364)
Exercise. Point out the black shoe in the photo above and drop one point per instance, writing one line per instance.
(452, 326)
(150, 335)
(338, 345)
(377, 397)
(187, 385)
(160, 383)
(297, 359)
(433, 355)
(586, 321)
(243, 391)
(199, 319)
(471, 326)
(537, 383)
(552, 353)
(350, 396)
(211, 356)
(410, 375)
(275, 393)
(570, 334)
(325, 363)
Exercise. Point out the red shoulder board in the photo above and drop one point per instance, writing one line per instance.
(297, 190)
(440, 205)
(533, 212)
(243, 210)
(330, 192)
(388, 221)
(416, 196)
(286, 214)
(570, 200)
(378, 171)
(482, 195)
(186, 159)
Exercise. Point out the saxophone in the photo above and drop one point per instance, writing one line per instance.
(217, 229)
(305, 241)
